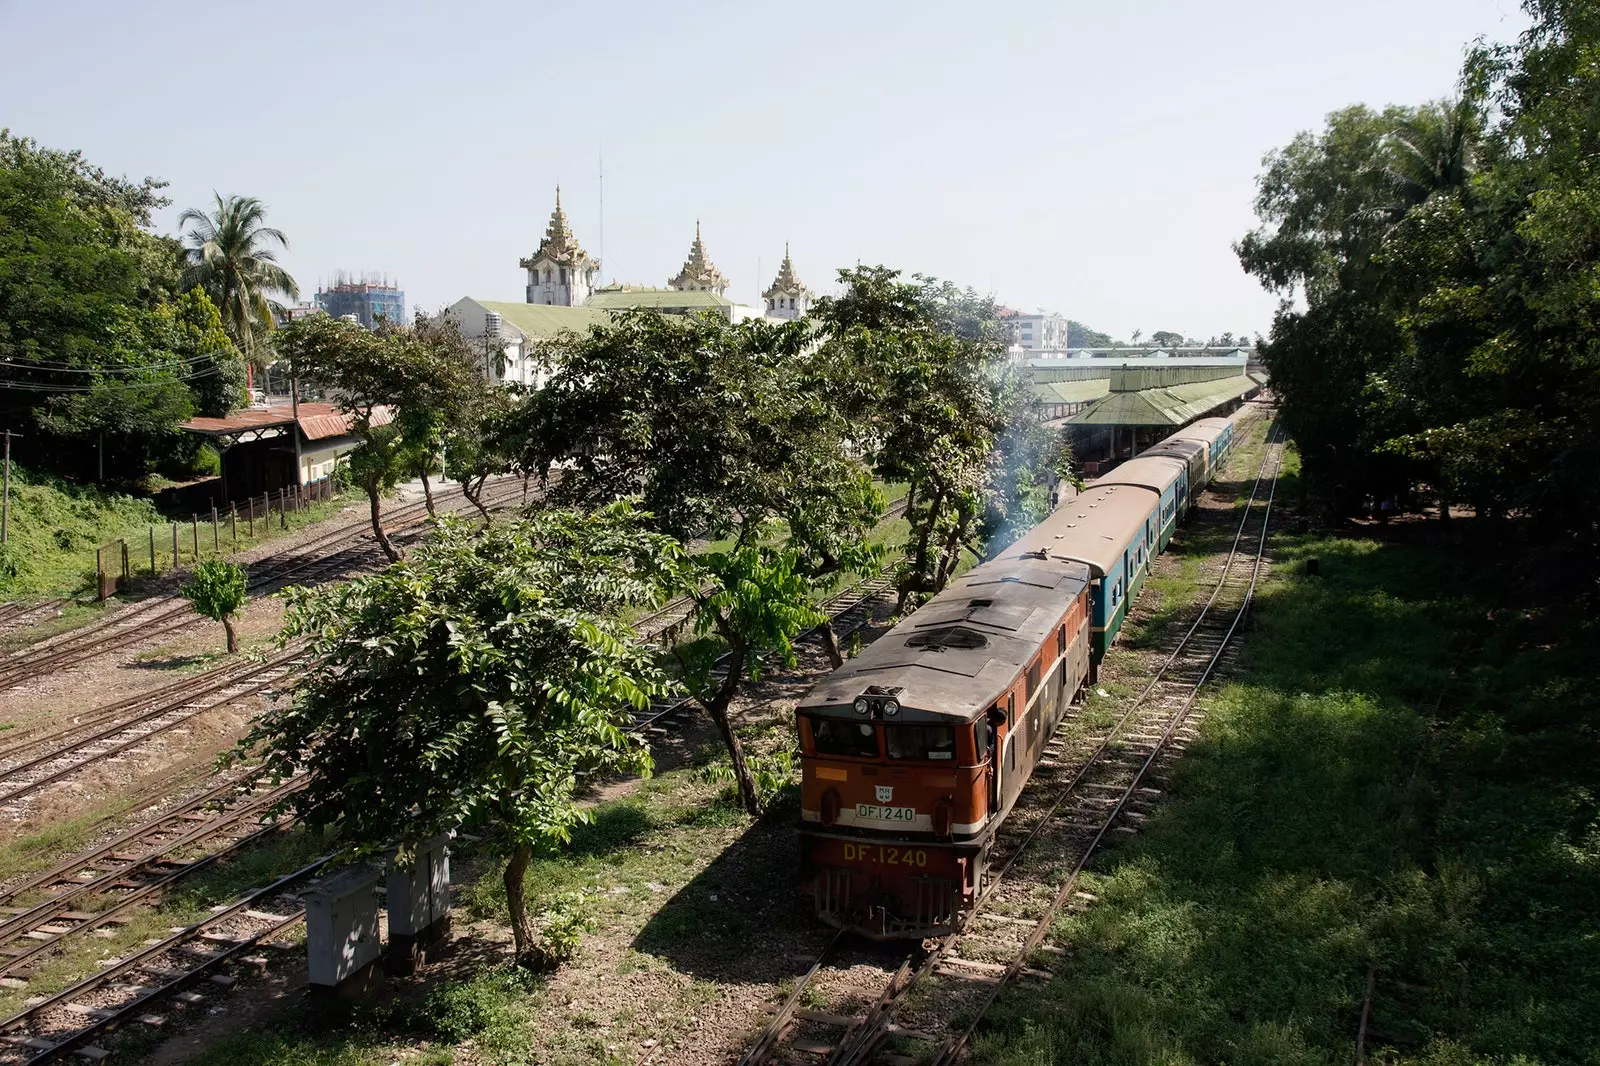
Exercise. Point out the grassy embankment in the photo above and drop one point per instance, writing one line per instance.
(1398, 784)
(55, 527)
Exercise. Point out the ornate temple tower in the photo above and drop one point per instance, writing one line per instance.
(788, 297)
(560, 272)
(698, 275)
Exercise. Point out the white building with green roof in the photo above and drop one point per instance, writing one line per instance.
(509, 333)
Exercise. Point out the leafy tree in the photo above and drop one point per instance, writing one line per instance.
(483, 442)
(1447, 343)
(232, 255)
(472, 684)
(216, 588)
(1165, 339)
(726, 434)
(919, 371)
(87, 311)
(377, 375)
(1081, 336)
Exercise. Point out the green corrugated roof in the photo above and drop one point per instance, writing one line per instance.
(1070, 391)
(544, 321)
(1258, 376)
(1175, 405)
(617, 299)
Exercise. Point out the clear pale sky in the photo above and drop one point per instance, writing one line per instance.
(1092, 158)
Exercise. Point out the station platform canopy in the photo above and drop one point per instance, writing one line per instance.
(1172, 405)
(318, 421)
(1070, 391)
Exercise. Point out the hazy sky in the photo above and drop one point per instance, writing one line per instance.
(1092, 158)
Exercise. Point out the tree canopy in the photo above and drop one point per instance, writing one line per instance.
(99, 343)
(1446, 345)
(472, 684)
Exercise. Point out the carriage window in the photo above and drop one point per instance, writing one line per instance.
(1033, 679)
(833, 736)
(920, 741)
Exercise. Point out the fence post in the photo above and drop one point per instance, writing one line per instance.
(283, 508)
(152, 551)
(194, 522)
(233, 524)
(216, 540)
(252, 517)
(174, 545)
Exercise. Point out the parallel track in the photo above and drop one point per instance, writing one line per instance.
(337, 552)
(1107, 794)
(44, 1032)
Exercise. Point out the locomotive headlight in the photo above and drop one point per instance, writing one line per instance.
(862, 706)
(891, 708)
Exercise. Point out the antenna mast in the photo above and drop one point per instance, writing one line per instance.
(602, 208)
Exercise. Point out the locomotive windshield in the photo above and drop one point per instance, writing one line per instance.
(834, 737)
(921, 741)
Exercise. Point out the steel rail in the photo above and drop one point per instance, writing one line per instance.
(267, 674)
(133, 626)
(145, 997)
(861, 1045)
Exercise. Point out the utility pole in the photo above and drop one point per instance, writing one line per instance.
(5, 500)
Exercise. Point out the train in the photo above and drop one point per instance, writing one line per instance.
(913, 753)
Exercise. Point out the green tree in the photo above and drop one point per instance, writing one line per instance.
(484, 441)
(233, 256)
(379, 376)
(726, 434)
(919, 372)
(85, 315)
(216, 588)
(1166, 339)
(472, 684)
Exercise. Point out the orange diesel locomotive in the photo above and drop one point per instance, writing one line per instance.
(914, 751)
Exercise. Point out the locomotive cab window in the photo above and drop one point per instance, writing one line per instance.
(833, 736)
(933, 742)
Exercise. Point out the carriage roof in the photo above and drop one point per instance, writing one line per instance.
(952, 659)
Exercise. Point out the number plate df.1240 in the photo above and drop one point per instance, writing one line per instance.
(886, 814)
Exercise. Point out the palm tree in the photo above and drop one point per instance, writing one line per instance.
(231, 257)
(1436, 151)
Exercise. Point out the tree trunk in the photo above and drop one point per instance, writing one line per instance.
(475, 496)
(233, 639)
(517, 903)
(427, 494)
(830, 644)
(919, 557)
(376, 503)
(717, 708)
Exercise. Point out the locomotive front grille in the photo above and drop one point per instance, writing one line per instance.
(934, 904)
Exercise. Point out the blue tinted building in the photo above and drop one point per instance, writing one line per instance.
(367, 298)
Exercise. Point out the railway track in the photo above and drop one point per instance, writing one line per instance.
(130, 989)
(106, 886)
(19, 615)
(124, 735)
(338, 552)
(1083, 795)
(135, 868)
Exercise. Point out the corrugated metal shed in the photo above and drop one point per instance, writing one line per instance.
(1070, 391)
(1175, 405)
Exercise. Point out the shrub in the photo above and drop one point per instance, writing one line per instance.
(560, 930)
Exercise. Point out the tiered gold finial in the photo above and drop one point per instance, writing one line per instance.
(786, 283)
(698, 273)
(559, 244)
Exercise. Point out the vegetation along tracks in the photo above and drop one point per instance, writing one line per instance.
(1038, 856)
(335, 553)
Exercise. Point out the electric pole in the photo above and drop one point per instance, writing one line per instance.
(5, 499)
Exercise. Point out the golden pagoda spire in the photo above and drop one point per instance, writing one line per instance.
(698, 273)
(559, 245)
(786, 283)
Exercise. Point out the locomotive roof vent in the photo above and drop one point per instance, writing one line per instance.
(980, 603)
(948, 637)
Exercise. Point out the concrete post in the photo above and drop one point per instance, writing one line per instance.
(418, 901)
(342, 940)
